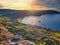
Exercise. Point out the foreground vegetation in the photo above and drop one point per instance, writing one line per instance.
(40, 36)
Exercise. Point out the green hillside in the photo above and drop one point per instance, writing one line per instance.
(38, 35)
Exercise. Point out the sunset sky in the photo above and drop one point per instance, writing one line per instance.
(30, 4)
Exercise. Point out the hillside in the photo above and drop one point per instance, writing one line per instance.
(22, 13)
(38, 35)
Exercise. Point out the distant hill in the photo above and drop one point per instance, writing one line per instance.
(22, 13)
(13, 13)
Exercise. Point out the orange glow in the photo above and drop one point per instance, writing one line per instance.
(21, 5)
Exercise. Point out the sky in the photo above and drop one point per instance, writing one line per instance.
(30, 4)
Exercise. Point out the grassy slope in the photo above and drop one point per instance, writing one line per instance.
(39, 36)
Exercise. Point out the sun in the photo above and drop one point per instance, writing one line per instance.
(22, 4)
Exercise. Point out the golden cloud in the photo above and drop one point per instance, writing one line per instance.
(21, 5)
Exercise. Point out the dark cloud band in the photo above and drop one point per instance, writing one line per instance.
(49, 3)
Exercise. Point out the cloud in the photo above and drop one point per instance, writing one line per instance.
(52, 4)
(21, 5)
(1, 5)
(49, 3)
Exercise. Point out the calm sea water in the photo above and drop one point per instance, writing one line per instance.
(50, 21)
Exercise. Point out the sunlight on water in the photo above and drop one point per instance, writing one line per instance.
(48, 21)
(32, 20)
